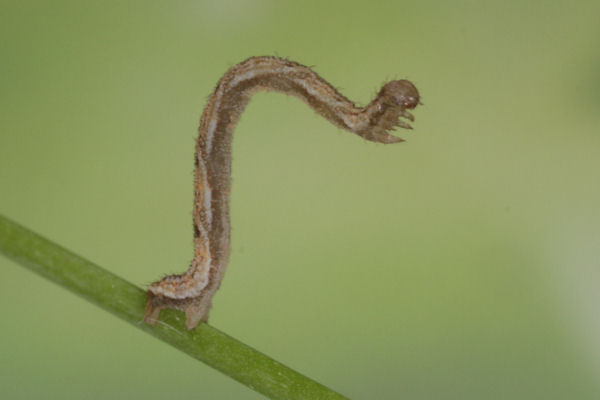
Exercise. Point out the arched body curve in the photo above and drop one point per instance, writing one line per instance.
(193, 290)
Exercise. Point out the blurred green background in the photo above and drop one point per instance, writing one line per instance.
(462, 264)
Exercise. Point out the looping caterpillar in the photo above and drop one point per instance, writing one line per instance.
(192, 291)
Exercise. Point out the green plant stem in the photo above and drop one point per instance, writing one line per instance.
(127, 301)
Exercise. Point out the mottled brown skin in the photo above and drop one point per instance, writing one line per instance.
(193, 290)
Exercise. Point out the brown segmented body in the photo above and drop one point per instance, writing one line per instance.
(192, 291)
